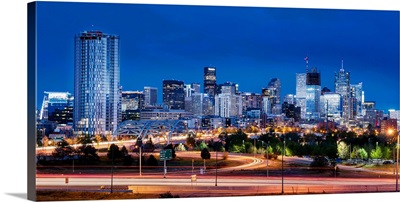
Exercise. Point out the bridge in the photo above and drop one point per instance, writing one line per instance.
(145, 129)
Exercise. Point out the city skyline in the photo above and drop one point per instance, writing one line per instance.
(182, 50)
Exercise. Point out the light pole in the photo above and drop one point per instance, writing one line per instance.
(283, 152)
(216, 165)
(112, 168)
(397, 163)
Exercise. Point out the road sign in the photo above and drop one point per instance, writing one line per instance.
(165, 154)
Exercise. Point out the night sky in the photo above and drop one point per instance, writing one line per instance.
(248, 46)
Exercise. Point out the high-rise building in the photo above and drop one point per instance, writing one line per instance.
(188, 90)
(150, 96)
(313, 93)
(227, 102)
(97, 106)
(301, 91)
(210, 81)
(356, 93)
(228, 105)
(331, 106)
(55, 101)
(57, 107)
(201, 104)
(342, 86)
(195, 87)
(174, 94)
(131, 105)
(251, 100)
(273, 93)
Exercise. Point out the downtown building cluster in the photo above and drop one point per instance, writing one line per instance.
(99, 103)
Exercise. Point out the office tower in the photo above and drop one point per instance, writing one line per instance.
(356, 93)
(342, 86)
(301, 93)
(227, 87)
(131, 104)
(228, 105)
(331, 106)
(313, 94)
(97, 107)
(188, 90)
(251, 100)
(290, 99)
(201, 104)
(174, 94)
(273, 93)
(150, 96)
(210, 81)
(57, 107)
(195, 87)
(227, 102)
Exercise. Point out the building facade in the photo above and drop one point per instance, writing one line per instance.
(150, 96)
(97, 90)
(313, 94)
(342, 86)
(174, 94)
(57, 107)
(210, 81)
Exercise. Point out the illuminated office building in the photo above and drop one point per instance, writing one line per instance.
(174, 94)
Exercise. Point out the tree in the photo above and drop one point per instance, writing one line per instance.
(109, 137)
(362, 153)
(45, 141)
(205, 154)
(88, 153)
(85, 139)
(63, 150)
(190, 141)
(113, 152)
(343, 150)
(124, 151)
(203, 145)
(152, 161)
(98, 139)
(377, 153)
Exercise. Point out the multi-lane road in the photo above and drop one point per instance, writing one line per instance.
(180, 181)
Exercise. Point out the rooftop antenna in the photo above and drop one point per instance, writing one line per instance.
(306, 59)
(342, 69)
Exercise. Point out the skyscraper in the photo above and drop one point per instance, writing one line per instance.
(342, 86)
(131, 105)
(174, 94)
(150, 96)
(273, 93)
(210, 81)
(356, 93)
(301, 91)
(97, 106)
(57, 107)
(313, 94)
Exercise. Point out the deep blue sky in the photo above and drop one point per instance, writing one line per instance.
(248, 46)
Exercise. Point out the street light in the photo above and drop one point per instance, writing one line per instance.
(390, 131)
(283, 152)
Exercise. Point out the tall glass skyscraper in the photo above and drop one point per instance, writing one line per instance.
(342, 86)
(174, 94)
(210, 81)
(150, 96)
(301, 91)
(97, 103)
(313, 94)
(57, 107)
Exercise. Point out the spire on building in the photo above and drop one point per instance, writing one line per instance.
(342, 69)
(306, 59)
